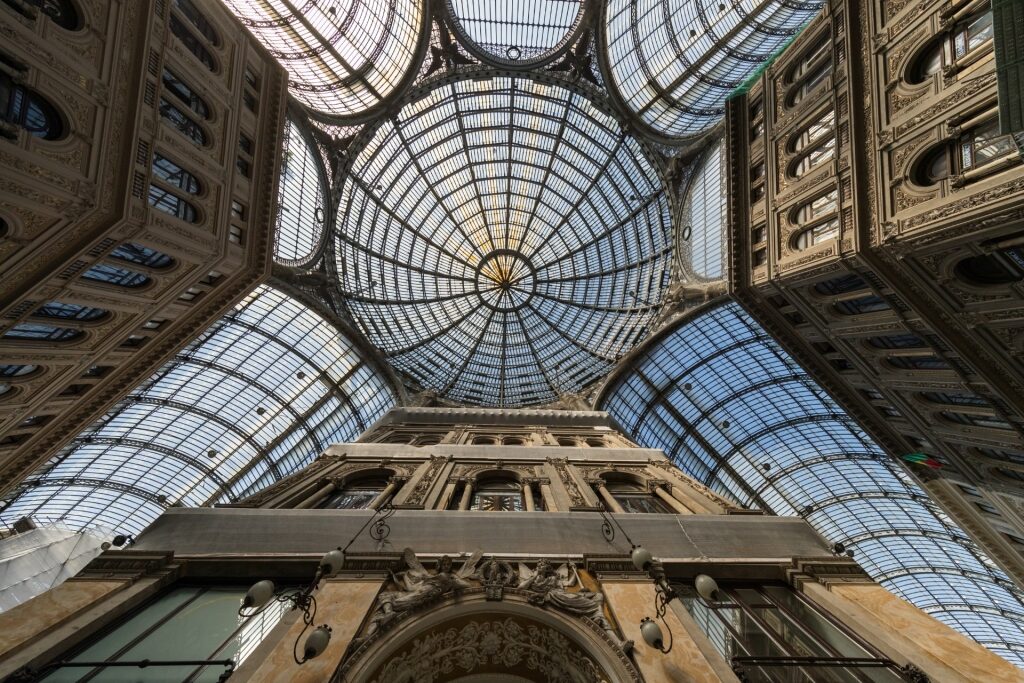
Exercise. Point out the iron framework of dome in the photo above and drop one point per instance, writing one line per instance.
(502, 239)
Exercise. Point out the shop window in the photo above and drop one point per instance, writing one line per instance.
(190, 623)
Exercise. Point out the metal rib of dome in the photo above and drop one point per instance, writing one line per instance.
(256, 397)
(516, 32)
(674, 62)
(733, 410)
(344, 57)
(503, 240)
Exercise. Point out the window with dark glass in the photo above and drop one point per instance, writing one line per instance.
(954, 399)
(862, 304)
(198, 19)
(192, 43)
(928, 61)
(1015, 475)
(60, 12)
(183, 122)
(17, 370)
(498, 495)
(25, 108)
(142, 255)
(185, 94)
(984, 144)
(998, 454)
(114, 275)
(59, 309)
(356, 495)
(972, 34)
(635, 498)
(37, 332)
(773, 634)
(917, 363)
(1001, 267)
(814, 144)
(172, 204)
(897, 341)
(172, 174)
(976, 420)
(812, 68)
(187, 623)
(840, 285)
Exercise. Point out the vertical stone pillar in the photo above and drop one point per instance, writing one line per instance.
(631, 601)
(384, 496)
(546, 496)
(446, 496)
(607, 497)
(659, 489)
(467, 495)
(342, 604)
(685, 495)
(528, 494)
(320, 494)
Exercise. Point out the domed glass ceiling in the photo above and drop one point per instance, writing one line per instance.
(301, 213)
(516, 31)
(503, 240)
(343, 57)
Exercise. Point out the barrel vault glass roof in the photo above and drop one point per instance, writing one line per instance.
(256, 397)
(731, 409)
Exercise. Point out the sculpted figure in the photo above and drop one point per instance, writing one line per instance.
(549, 586)
(419, 587)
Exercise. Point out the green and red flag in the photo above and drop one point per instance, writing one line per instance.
(923, 459)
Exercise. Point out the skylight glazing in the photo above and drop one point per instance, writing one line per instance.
(503, 240)
(730, 408)
(702, 220)
(343, 57)
(516, 32)
(674, 62)
(256, 397)
(301, 214)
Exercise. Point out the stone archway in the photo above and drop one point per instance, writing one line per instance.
(468, 639)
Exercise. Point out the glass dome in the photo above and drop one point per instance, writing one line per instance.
(516, 32)
(503, 240)
(301, 195)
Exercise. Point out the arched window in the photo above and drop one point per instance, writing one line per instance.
(897, 341)
(498, 494)
(115, 276)
(23, 107)
(927, 62)
(428, 441)
(565, 441)
(356, 495)
(37, 332)
(182, 122)
(917, 363)
(187, 95)
(997, 454)
(7, 371)
(160, 198)
(862, 304)
(198, 19)
(932, 167)
(484, 441)
(975, 148)
(954, 399)
(840, 285)
(971, 35)
(60, 12)
(1001, 267)
(192, 44)
(819, 219)
(814, 144)
(142, 255)
(972, 420)
(59, 309)
(596, 442)
(635, 498)
(813, 68)
(513, 441)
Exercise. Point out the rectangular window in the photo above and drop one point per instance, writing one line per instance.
(245, 143)
(186, 623)
(237, 210)
(770, 632)
(234, 234)
(987, 509)
(250, 101)
(244, 167)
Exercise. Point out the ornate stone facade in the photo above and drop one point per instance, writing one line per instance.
(875, 229)
(144, 218)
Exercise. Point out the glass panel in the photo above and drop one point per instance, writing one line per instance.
(115, 276)
(642, 503)
(192, 43)
(179, 120)
(35, 331)
(183, 92)
(59, 309)
(351, 499)
(143, 255)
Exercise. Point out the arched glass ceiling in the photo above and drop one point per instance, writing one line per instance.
(344, 56)
(256, 397)
(301, 195)
(732, 409)
(503, 240)
(516, 31)
(675, 61)
(702, 220)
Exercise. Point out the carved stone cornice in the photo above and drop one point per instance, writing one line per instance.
(126, 564)
(827, 573)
